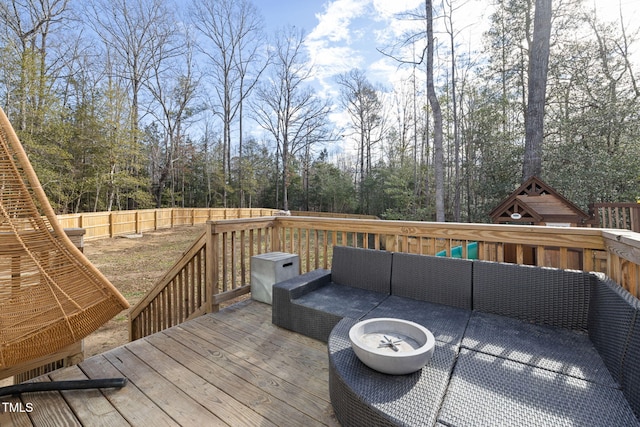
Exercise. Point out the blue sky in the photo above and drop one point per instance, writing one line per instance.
(343, 34)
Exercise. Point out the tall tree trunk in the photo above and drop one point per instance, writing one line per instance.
(538, 68)
(454, 106)
(437, 118)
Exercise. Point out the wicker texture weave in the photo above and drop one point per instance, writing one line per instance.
(50, 294)
(313, 303)
(490, 391)
(362, 268)
(316, 313)
(363, 397)
(295, 287)
(540, 295)
(434, 279)
(631, 365)
(555, 349)
(446, 323)
(612, 314)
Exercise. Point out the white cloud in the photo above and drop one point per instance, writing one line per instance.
(330, 43)
(388, 10)
(334, 23)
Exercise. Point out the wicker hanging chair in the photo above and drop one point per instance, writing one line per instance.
(51, 296)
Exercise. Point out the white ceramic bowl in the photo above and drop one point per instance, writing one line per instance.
(392, 346)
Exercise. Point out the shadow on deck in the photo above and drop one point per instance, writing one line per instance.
(229, 368)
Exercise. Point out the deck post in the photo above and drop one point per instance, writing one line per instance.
(211, 268)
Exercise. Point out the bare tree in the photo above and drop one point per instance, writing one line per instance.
(538, 69)
(234, 42)
(138, 33)
(287, 109)
(28, 25)
(173, 87)
(360, 100)
(436, 111)
(449, 24)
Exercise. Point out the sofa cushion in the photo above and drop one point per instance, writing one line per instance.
(362, 268)
(486, 390)
(446, 323)
(547, 296)
(434, 279)
(612, 313)
(554, 349)
(631, 368)
(344, 301)
(362, 396)
(284, 292)
(316, 313)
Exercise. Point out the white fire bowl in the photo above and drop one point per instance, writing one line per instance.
(392, 346)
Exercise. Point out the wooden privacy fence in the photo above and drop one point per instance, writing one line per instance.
(110, 224)
(217, 267)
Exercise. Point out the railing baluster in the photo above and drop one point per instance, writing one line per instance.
(325, 245)
(243, 260)
(316, 250)
(225, 268)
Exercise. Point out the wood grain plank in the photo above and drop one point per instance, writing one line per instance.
(130, 401)
(263, 391)
(293, 363)
(206, 394)
(14, 413)
(49, 408)
(184, 410)
(90, 406)
(228, 368)
(254, 314)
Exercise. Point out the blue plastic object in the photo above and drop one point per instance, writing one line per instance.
(456, 251)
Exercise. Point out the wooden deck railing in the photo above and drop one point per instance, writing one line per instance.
(617, 215)
(215, 269)
(223, 269)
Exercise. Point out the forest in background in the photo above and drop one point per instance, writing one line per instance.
(126, 104)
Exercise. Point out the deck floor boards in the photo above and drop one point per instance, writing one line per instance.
(229, 368)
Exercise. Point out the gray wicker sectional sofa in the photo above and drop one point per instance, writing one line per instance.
(515, 345)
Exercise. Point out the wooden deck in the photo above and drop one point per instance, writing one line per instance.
(230, 368)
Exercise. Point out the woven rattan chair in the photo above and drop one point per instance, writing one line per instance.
(51, 296)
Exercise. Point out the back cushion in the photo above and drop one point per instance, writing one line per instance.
(631, 367)
(546, 296)
(362, 268)
(433, 279)
(612, 312)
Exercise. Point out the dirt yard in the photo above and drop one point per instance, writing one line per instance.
(133, 265)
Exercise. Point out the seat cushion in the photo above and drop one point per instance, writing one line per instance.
(446, 323)
(555, 349)
(490, 391)
(434, 279)
(340, 300)
(316, 313)
(362, 396)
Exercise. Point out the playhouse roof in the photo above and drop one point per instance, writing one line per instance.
(538, 203)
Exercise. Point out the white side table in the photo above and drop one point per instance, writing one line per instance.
(270, 268)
